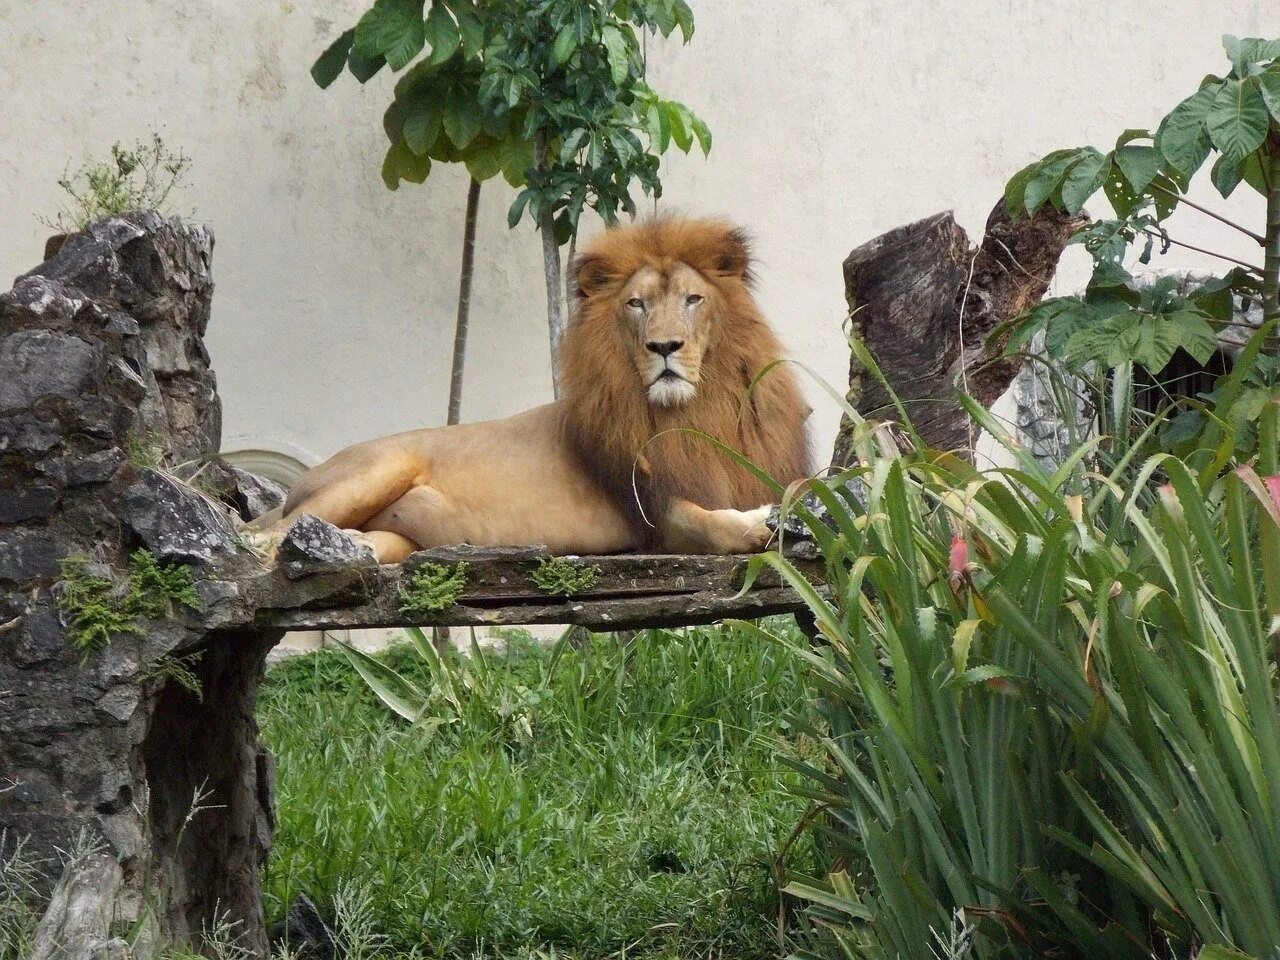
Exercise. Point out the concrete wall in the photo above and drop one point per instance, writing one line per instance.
(833, 119)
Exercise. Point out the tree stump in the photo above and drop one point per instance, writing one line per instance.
(924, 301)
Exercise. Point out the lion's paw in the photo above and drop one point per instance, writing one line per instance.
(756, 534)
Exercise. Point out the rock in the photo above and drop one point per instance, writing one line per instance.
(257, 495)
(313, 545)
(175, 522)
(30, 502)
(40, 364)
(28, 555)
(304, 933)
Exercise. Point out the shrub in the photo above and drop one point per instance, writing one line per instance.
(137, 177)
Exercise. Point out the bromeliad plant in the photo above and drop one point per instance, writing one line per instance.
(1115, 323)
(1051, 705)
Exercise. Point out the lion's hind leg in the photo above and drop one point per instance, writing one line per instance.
(346, 490)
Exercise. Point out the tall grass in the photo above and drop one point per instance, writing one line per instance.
(608, 801)
(1051, 704)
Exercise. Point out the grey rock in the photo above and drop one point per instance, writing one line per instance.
(257, 495)
(33, 501)
(40, 638)
(29, 433)
(40, 364)
(119, 703)
(304, 932)
(27, 555)
(313, 546)
(175, 522)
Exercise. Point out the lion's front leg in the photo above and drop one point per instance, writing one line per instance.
(689, 528)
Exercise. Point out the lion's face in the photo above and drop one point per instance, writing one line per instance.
(667, 315)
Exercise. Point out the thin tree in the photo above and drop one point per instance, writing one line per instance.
(464, 302)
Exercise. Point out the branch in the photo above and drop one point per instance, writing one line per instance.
(1165, 238)
(1179, 198)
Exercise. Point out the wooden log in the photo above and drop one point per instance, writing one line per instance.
(924, 301)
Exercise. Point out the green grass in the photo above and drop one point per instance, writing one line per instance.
(622, 802)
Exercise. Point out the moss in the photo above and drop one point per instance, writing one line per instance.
(558, 577)
(97, 609)
(433, 587)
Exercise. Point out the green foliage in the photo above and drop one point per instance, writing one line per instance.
(97, 609)
(571, 802)
(1050, 699)
(433, 587)
(1145, 177)
(20, 881)
(178, 669)
(1115, 322)
(558, 577)
(145, 449)
(488, 79)
(137, 177)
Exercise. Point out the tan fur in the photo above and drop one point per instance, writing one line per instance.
(613, 465)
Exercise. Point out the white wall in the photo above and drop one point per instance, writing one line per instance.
(833, 119)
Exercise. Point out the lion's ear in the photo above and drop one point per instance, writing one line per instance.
(590, 273)
(733, 256)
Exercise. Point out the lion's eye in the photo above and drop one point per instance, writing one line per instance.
(635, 303)
(693, 299)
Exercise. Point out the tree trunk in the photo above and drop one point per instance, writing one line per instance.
(464, 302)
(923, 301)
(551, 272)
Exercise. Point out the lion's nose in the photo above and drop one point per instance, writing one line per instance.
(664, 348)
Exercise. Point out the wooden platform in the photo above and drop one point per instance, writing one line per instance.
(628, 592)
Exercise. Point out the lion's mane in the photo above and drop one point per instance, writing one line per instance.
(621, 438)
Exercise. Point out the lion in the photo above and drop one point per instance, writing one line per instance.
(664, 348)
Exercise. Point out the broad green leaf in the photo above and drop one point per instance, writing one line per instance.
(1164, 191)
(703, 133)
(393, 30)
(678, 118)
(1194, 333)
(1123, 198)
(1084, 180)
(364, 68)
(1237, 119)
(462, 117)
(617, 51)
(1139, 164)
(517, 160)
(1045, 181)
(1269, 86)
(1181, 138)
(1226, 174)
(441, 34)
(470, 25)
(516, 210)
(422, 123)
(401, 163)
(1249, 50)
(684, 18)
(566, 43)
(330, 63)
(1015, 190)
(658, 126)
(484, 158)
